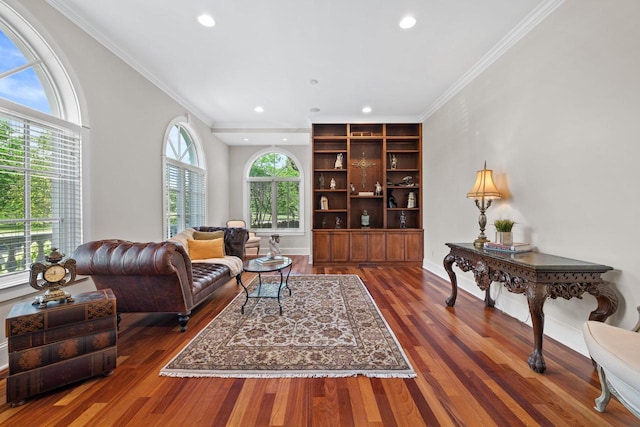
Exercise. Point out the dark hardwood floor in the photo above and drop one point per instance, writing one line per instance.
(470, 361)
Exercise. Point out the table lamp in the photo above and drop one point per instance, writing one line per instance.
(484, 190)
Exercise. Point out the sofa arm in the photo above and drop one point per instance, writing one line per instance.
(124, 258)
(234, 239)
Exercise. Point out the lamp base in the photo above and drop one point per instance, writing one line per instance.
(480, 241)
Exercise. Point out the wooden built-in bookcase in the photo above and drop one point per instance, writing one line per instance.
(367, 151)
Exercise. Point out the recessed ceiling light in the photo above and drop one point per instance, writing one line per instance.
(206, 20)
(314, 110)
(259, 109)
(284, 139)
(313, 82)
(407, 22)
(366, 109)
(246, 139)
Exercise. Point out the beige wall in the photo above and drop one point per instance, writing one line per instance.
(126, 118)
(557, 119)
(239, 158)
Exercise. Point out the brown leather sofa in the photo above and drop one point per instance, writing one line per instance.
(159, 277)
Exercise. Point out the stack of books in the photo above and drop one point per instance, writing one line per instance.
(512, 248)
(266, 261)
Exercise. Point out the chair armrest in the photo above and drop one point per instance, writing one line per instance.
(636, 328)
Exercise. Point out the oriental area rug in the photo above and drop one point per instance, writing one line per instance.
(330, 327)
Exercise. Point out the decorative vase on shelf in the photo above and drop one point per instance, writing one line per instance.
(364, 219)
(411, 201)
(324, 203)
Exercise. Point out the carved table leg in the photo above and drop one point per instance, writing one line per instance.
(488, 301)
(607, 305)
(607, 301)
(536, 295)
(448, 266)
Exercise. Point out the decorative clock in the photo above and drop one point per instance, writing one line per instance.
(51, 276)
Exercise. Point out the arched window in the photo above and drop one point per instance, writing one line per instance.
(40, 159)
(274, 197)
(184, 180)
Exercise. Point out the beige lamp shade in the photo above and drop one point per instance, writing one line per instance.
(484, 187)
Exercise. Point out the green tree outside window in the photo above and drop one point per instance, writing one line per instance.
(274, 186)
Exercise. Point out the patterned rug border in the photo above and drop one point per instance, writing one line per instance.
(293, 373)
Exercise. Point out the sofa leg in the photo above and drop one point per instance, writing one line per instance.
(603, 399)
(183, 318)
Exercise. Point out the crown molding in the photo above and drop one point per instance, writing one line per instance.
(518, 32)
(545, 9)
(61, 7)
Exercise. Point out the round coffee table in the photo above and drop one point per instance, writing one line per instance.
(267, 266)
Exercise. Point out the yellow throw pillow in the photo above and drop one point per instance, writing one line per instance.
(204, 249)
(208, 235)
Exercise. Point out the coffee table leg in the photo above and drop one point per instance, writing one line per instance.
(246, 292)
(259, 284)
(280, 290)
(286, 281)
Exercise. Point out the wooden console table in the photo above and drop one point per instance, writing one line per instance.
(539, 276)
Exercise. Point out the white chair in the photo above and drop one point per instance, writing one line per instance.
(616, 352)
(253, 242)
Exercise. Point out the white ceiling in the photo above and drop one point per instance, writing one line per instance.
(266, 52)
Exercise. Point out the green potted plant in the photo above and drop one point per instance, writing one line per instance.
(503, 231)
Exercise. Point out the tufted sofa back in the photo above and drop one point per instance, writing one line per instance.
(121, 257)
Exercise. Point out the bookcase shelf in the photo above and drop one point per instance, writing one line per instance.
(386, 156)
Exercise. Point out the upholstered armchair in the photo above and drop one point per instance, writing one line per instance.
(253, 242)
(616, 352)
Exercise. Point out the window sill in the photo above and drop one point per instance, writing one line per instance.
(268, 233)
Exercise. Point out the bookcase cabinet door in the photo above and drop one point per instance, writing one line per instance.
(359, 250)
(330, 246)
(377, 246)
(321, 247)
(368, 246)
(339, 246)
(414, 246)
(395, 247)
